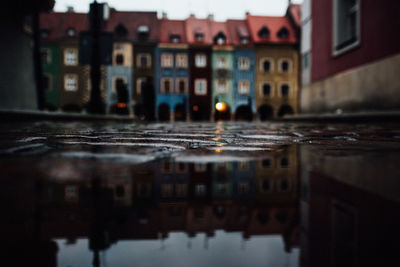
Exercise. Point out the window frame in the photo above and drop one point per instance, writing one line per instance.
(196, 84)
(139, 63)
(70, 75)
(271, 61)
(290, 65)
(162, 88)
(335, 30)
(183, 57)
(74, 51)
(196, 61)
(167, 60)
(242, 82)
(177, 81)
(219, 82)
(243, 59)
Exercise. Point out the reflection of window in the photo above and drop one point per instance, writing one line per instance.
(222, 86)
(167, 60)
(243, 63)
(166, 167)
(180, 167)
(244, 87)
(201, 60)
(243, 187)
(266, 65)
(167, 190)
(166, 85)
(200, 167)
(265, 184)
(221, 63)
(45, 56)
(181, 60)
(139, 85)
(143, 190)
(284, 162)
(346, 25)
(71, 57)
(71, 192)
(266, 89)
(71, 32)
(71, 82)
(221, 188)
(243, 165)
(181, 86)
(181, 190)
(200, 190)
(284, 185)
(266, 163)
(200, 87)
(143, 60)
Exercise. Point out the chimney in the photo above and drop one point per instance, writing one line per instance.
(211, 17)
(70, 9)
(164, 15)
(289, 2)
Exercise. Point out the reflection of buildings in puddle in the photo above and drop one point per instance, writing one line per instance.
(350, 208)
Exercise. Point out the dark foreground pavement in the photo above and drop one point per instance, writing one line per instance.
(199, 194)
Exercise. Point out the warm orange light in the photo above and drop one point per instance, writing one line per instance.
(121, 105)
(195, 108)
(220, 106)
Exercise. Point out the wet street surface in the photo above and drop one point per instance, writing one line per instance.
(199, 194)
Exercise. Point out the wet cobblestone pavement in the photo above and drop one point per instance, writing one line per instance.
(190, 194)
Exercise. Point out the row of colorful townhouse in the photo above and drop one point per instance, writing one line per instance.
(197, 69)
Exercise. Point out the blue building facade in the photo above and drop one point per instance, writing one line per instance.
(172, 83)
(116, 75)
(244, 81)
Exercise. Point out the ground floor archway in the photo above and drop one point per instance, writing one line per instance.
(265, 112)
(285, 110)
(200, 112)
(163, 112)
(244, 113)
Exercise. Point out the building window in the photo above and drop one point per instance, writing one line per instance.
(181, 60)
(200, 87)
(266, 65)
(167, 60)
(71, 57)
(175, 38)
(200, 60)
(263, 32)
(285, 90)
(143, 32)
(181, 86)
(222, 63)
(346, 25)
(220, 39)
(119, 59)
(222, 86)
(166, 86)
(283, 33)
(71, 82)
(143, 60)
(45, 56)
(306, 60)
(118, 82)
(199, 36)
(244, 40)
(285, 65)
(244, 87)
(140, 85)
(266, 89)
(243, 63)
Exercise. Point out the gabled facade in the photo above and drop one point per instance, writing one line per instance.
(172, 72)
(199, 38)
(60, 41)
(276, 68)
(244, 104)
(222, 66)
(140, 32)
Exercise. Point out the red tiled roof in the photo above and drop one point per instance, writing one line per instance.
(58, 23)
(295, 12)
(131, 21)
(194, 25)
(274, 25)
(238, 29)
(168, 27)
(220, 27)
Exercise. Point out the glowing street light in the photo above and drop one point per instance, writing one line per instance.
(220, 106)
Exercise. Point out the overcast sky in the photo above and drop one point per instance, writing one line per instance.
(180, 9)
